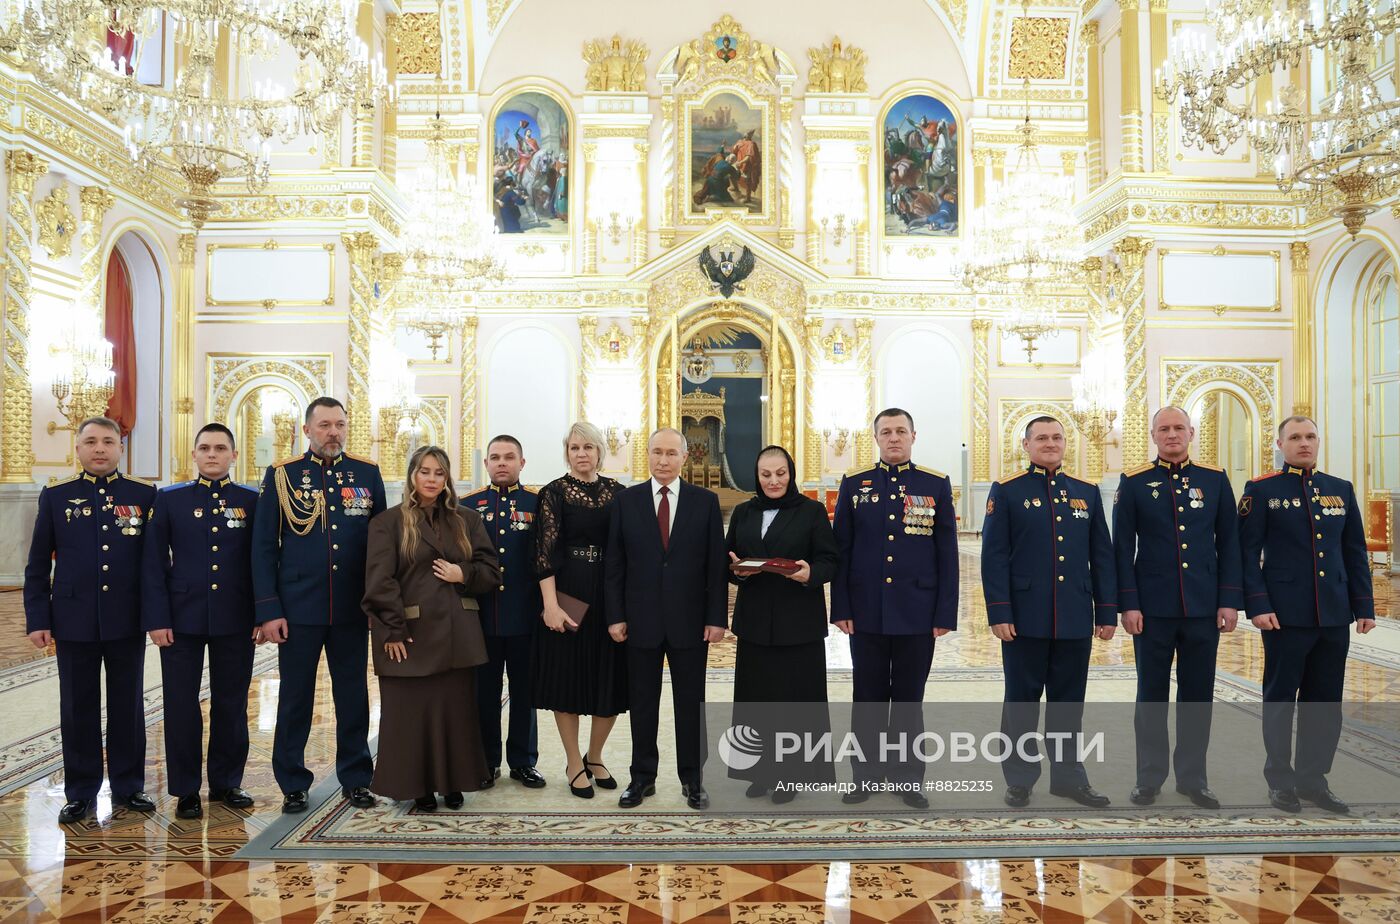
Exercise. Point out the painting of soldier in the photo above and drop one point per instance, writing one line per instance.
(530, 159)
(726, 154)
(920, 168)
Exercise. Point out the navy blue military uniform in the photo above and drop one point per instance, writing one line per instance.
(197, 580)
(509, 615)
(309, 539)
(897, 580)
(1178, 548)
(91, 528)
(1305, 561)
(1047, 569)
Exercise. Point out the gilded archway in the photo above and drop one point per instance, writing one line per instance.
(1184, 382)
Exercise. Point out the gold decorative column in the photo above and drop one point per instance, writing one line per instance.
(981, 160)
(96, 201)
(1093, 150)
(16, 455)
(363, 151)
(1132, 257)
(589, 224)
(361, 246)
(390, 159)
(814, 233)
(466, 468)
(182, 436)
(981, 401)
(865, 348)
(1208, 430)
(1161, 111)
(814, 447)
(642, 347)
(862, 241)
(640, 230)
(252, 429)
(1131, 78)
(1303, 392)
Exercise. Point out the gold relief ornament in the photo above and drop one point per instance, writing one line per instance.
(1039, 47)
(56, 223)
(420, 43)
(614, 66)
(836, 70)
(726, 51)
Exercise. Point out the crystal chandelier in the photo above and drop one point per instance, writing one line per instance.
(1098, 391)
(77, 363)
(211, 130)
(1025, 242)
(1348, 149)
(450, 244)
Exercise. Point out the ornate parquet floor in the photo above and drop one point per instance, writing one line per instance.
(126, 868)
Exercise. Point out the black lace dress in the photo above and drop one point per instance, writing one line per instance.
(583, 672)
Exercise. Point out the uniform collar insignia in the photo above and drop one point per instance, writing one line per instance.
(206, 483)
(1163, 463)
(101, 479)
(903, 467)
(1037, 470)
(320, 461)
(1295, 470)
(512, 488)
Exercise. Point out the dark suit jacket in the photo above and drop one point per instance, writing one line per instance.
(404, 599)
(771, 609)
(666, 596)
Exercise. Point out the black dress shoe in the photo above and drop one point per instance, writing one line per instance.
(360, 797)
(633, 795)
(1085, 795)
(695, 796)
(454, 800)
(189, 807)
(1324, 799)
(74, 810)
(606, 782)
(915, 800)
(756, 791)
(583, 792)
(1017, 796)
(1143, 795)
(233, 797)
(783, 796)
(294, 802)
(491, 780)
(1285, 800)
(426, 803)
(1202, 797)
(136, 801)
(528, 777)
(854, 797)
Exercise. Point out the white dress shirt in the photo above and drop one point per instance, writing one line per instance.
(768, 517)
(673, 496)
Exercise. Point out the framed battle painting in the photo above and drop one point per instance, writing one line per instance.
(530, 175)
(728, 161)
(920, 168)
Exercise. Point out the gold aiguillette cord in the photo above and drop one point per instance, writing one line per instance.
(298, 516)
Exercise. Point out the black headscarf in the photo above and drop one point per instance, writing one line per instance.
(792, 498)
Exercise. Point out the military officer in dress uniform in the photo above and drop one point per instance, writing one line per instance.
(1047, 573)
(1306, 578)
(895, 591)
(1177, 542)
(509, 614)
(89, 533)
(197, 593)
(309, 539)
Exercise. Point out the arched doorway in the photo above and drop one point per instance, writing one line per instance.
(744, 350)
(266, 426)
(134, 294)
(1227, 435)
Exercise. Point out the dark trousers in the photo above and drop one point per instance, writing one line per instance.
(509, 654)
(298, 658)
(230, 673)
(1193, 642)
(80, 669)
(687, 704)
(1306, 666)
(888, 676)
(1057, 668)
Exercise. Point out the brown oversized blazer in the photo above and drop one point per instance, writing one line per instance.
(405, 600)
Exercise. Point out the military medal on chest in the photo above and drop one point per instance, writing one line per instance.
(129, 519)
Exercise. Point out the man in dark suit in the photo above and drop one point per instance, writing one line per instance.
(197, 593)
(309, 540)
(895, 591)
(1177, 541)
(1047, 576)
(509, 613)
(1306, 578)
(667, 597)
(89, 533)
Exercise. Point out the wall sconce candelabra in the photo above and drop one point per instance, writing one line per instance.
(435, 325)
(617, 438)
(79, 367)
(839, 438)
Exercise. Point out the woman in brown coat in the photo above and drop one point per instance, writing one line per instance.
(426, 558)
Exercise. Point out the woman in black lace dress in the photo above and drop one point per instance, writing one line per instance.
(583, 671)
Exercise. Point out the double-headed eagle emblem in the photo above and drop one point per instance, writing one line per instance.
(726, 273)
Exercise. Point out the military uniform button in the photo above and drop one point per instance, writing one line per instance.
(503, 548)
(213, 548)
(889, 580)
(889, 558)
(1061, 578)
(1319, 555)
(1316, 516)
(335, 547)
(213, 586)
(213, 529)
(1183, 545)
(1175, 475)
(891, 538)
(335, 567)
(1182, 528)
(104, 527)
(1180, 509)
(1319, 535)
(503, 587)
(101, 490)
(106, 567)
(335, 526)
(1058, 519)
(104, 586)
(215, 495)
(1060, 538)
(1185, 564)
(1322, 574)
(891, 516)
(1062, 558)
(104, 548)
(214, 567)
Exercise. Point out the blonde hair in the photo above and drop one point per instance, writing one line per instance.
(590, 435)
(413, 508)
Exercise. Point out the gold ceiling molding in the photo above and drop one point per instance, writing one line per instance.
(56, 222)
(282, 208)
(420, 43)
(1039, 48)
(1045, 139)
(902, 302)
(308, 374)
(752, 63)
(836, 69)
(614, 66)
(636, 132)
(1183, 379)
(815, 134)
(956, 11)
(1191, 207)
(495, 12)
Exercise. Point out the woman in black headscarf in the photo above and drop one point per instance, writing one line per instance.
(780, 619)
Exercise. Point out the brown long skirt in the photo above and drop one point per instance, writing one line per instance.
(429, 736)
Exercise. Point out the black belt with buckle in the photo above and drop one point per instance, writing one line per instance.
(588, 553)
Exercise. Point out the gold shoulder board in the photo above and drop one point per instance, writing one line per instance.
(1013, 477)
(934, 471)
(852, 472)
(1139, 469)
(351, 455)
(149, 484)
(287, 461)
(1081, 480)
(1207, 466)
(54, 484)
(1266, 475)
